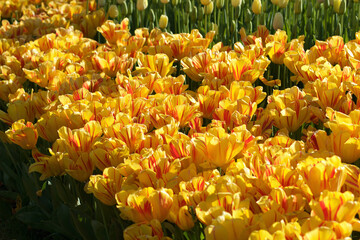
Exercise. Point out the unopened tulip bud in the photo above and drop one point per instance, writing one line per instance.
(247, 16)
(256, 7)
(209, 8)
(124, 9)
(276, 2)
(215, 28)
(163, 22)
(298, 6)
(342, 9)
(336, 5)
(326, 4)
(131, 7)
(205, 2)
(187, 6)
(175, 2)
(237, 12)
(120, 1)
(113, 11)
(236, 3)
(141, 5)
(164, 1)
(220, 3)
(278, 22)
(200, 13)
(283, 3)
(193, 15)
(101, 3)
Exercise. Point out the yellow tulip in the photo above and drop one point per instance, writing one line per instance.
(113, 11)
(144, 205)
(163, 22)
(256, 7)
(24, 135)
(105, 186)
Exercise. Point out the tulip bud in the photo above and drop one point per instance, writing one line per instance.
(215, 28)
(336, 6)
(278, 22)
(298, 6)
(283, 3)
(175, 2)
(236, 3)
(342, 9)
(220, 3)
(101, 3)
(113, 11)
(187, 6)
(120, 1)
(200, 13)
(163, 22)
(209, 8)
(237, 12)
(205, 2)
(275, 2)
(124, 9)
(164, 1)
(256, 7)
(141, 5)
(247, 16)
(131, 7)
(193, 15)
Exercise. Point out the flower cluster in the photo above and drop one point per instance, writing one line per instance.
(245, 162)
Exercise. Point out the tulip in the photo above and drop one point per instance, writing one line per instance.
(141, 5)
(256, 7)
(163, 22)
(24, 135)
(144, 205)
(205, 2)
(278, 22)
(209, 8)
(236, 3)
(336, 6)
(165, 1)
(113, 11)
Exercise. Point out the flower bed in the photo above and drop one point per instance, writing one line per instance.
(146, 134)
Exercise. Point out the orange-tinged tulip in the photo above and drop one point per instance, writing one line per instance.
(146, 204)
(24, 135)
(105, 186)
(155, 63)
(109, 152)
(116, 34)
(180, 213)
(322, 174)
(218, 146)
(226, 227)
(290, 108)
(323, 233)
(150, 231)
(48, 166)
(336, 206)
